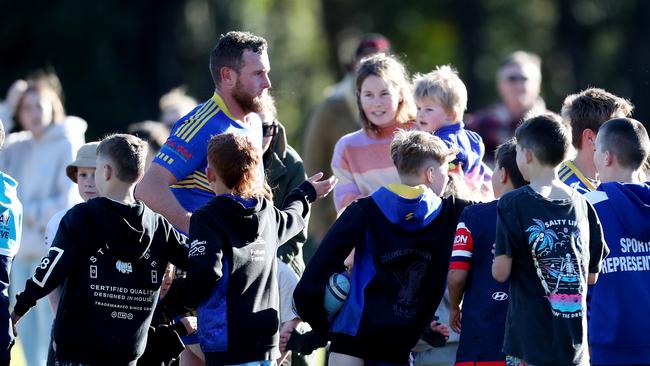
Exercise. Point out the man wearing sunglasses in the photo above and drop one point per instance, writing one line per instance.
(518, 82)
(284, 171)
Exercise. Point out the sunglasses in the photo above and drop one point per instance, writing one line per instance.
(269, 130)
(515, 78)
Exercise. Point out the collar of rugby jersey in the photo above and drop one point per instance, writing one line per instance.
(222, 106)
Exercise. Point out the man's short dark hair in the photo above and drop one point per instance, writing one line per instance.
(589, 109)
(127, 152)
(627, 139)
(546, 137)
(229, 50)
(506, 158)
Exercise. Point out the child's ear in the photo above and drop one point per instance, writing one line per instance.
(211, 174)
(429, 175)
(108, 172)
(588, 138)
(503, 175)
(452, 116)
(609, 158)
(528, 155)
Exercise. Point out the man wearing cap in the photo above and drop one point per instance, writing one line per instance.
(336, 116)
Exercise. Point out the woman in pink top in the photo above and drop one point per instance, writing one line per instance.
(361, 160)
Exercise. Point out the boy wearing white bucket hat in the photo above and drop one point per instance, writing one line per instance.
(82, 172)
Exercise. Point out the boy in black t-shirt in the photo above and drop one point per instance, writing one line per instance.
(549, 243)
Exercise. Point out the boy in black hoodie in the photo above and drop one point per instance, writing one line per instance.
(232, 270)
(402, 235)
(110, 255)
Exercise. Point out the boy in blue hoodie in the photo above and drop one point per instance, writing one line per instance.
(619, 305)
(402, 235)
(11, 220)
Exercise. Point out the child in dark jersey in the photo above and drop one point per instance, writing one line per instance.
(485, 301)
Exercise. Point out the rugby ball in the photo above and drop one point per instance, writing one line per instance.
(336, 292)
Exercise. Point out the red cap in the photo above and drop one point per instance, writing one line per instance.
(372, 43)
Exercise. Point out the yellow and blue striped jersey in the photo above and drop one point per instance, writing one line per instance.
(573, 177)
(185, 152)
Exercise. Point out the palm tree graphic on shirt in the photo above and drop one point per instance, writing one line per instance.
(556, 264)
(542, 240)
(540, 236)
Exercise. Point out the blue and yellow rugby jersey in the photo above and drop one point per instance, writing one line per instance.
(185, 152)
(573, 177)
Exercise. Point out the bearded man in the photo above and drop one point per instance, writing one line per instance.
(176, 185)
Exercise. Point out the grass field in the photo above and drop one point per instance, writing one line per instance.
(17, 356)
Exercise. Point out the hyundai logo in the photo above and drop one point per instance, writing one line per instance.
(500, 296)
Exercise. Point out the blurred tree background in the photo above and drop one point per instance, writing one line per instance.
(117, 57)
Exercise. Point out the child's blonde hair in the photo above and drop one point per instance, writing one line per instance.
(445, 87)
(391, 69)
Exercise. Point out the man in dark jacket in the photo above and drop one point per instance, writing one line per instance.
(284, 172)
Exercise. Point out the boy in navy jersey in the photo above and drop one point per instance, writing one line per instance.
(549, 243)
(619, 305)
(485, 301)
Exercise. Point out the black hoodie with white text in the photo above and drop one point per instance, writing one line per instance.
(232, 273)
(110, 258)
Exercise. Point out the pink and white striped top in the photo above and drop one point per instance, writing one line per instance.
(362, 164)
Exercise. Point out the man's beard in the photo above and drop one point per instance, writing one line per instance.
(247, 102)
